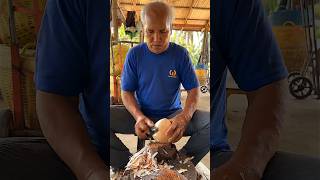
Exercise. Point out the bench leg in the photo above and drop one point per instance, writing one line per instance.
(5, 118)
(140, 144)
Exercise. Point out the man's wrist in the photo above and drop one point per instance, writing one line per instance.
(246, 170)
(186, 116)
(139, 117)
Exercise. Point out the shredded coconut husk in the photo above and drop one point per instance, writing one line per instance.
(144, 163)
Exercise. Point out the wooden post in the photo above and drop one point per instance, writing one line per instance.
(18, 116)
(37, 15)
(115, 20)
(115, 39)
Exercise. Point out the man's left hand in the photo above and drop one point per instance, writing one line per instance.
(178, 126)
(231, 171)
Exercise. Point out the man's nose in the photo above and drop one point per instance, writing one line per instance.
(156, 36)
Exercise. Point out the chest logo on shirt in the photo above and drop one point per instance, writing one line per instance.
(172, 74)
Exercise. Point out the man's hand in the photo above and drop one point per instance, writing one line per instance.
(64, 128)
(101, 174)
(231, 171)
(142, 126)
(178, 126)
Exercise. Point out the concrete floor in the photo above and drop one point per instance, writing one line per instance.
(301, 131)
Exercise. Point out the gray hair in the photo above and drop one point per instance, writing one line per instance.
(161, 6)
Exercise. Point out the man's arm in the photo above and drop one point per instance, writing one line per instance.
(180, 121)
(191, 103)
(63, 126)
(262, 125)
(260, 132)
(143, 123)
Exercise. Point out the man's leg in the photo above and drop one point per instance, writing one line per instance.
(122, 122)
(199, 130)
(30, 158)
(283, 166)
(288, 166)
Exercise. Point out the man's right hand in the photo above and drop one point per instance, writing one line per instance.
(232, 171)
(102, 174)
(142, 126)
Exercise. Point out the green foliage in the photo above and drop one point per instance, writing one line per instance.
(191, 41)
(318, 32)
(186, 40)
(126, 37)
(270, 6)
(317, 10)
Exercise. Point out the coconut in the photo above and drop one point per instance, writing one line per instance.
(163, 125)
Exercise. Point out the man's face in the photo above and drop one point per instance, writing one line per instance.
(157, 34)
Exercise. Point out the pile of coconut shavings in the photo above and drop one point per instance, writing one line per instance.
(144, 163)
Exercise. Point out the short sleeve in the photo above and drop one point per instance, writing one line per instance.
(129, 77)
(187, 74)
(252, 54)
(61, 55)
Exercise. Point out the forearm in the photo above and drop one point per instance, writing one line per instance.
(261, 129)
(191, 103)
(131, 104)
(65, 131)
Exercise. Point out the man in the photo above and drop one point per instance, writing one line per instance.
(151, 78)
(244, 43)
(72, 95)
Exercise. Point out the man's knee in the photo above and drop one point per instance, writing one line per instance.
(201, 120)
(291, 166)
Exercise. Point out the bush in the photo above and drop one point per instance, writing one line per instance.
(317, 10)
(318, 33)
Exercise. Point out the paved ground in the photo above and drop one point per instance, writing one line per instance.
(301, 131)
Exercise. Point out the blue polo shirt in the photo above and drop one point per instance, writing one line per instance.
(71, 60)
(156, 78)
(244, 43)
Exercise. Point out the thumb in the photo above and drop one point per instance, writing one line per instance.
(171, 129)
(149, 123)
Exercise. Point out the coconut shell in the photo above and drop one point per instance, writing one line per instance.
(163, 125)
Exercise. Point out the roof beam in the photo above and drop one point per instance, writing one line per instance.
(176, 7)
(189, 27)
(190, 19)
(189, 12)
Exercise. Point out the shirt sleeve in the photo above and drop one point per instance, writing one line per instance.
(187, 74)
(129, 76)
(249, 46)
(61, 55)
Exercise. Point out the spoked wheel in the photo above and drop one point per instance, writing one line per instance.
(300, 87)
(293, 75)
(204, 89)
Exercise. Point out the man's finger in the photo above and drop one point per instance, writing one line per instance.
(175, 135)
(141, 134)
(172, 129)
(143, 126)
(179, 137)
(149, 123)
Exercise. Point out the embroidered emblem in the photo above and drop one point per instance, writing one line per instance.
(172, 74)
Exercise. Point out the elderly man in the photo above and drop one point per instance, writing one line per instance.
(153, 71)
(243, 43)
